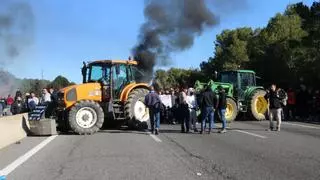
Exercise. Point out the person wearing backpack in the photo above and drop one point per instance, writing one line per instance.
(275, 107)
(153, 102)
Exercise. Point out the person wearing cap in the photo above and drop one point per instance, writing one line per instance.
(222, 106)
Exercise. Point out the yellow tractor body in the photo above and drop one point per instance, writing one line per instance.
(109, 87)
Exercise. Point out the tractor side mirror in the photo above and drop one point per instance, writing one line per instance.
(117, 69)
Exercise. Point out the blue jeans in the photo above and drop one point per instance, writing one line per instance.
(222, 113)
(154, 118)
(207, 112)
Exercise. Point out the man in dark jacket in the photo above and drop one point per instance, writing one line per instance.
(275, 107)
(222, 106)
(153, 102)
(208, 105)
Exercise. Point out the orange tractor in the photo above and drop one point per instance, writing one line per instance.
(109, 91)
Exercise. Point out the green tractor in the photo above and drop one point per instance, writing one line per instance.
(243, 95)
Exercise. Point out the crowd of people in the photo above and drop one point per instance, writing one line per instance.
(185, 106)
(25, 103)
(188, 109)
(303, 104)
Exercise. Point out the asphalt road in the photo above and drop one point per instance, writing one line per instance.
(245, 152)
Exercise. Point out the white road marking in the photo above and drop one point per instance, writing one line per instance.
(11, 167)
(252, 134)
(245, 132)
(155, 138)
(301, 125)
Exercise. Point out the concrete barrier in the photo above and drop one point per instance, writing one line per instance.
(13, 129)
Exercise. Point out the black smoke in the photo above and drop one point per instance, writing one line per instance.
(16, 29)
(16, 34)
(171, 26)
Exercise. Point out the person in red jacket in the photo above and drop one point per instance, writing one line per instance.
(10, 100)
(291, 103)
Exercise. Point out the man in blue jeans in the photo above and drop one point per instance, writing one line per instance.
(222, 106)
(153, 102)
(208, 104)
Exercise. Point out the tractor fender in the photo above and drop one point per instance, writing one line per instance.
(125, 92)
(250, 90)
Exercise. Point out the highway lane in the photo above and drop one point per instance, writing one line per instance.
(246, 151)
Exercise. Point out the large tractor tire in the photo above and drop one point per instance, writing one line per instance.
(86, 117)
(258, 105)
(136, 111)
(231, 111)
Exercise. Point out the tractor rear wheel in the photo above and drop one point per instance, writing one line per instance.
(231, 110)
(258, 105)
(136, 111)
(86, 117)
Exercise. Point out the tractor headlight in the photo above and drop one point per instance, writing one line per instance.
(71, 95)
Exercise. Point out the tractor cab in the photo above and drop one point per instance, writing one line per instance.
(240, 79)
(113, 75)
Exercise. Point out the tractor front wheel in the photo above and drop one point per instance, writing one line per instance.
(86, 117)
(231, 110)
(258, 105)
(136, 111)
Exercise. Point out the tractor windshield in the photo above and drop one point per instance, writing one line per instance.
(247, 80)
(98, 73)
(229, 77)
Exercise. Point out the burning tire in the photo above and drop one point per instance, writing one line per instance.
(258, 105)
(136, 111)
(86, 117)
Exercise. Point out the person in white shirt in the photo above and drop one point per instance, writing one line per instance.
(34, 98)
(192, 105)
(46, 96)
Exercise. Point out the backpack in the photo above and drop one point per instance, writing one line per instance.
(283, 97)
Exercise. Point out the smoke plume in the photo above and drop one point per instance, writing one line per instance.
(16, 33)
(171, 26)
(16, 29)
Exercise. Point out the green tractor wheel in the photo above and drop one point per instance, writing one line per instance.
(231, 111)
(258, 105)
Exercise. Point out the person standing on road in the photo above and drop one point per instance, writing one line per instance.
(184, 111)
(208, 105)
(193, 106)
(290, 114)
(222, 106)
(275, 107)
(153, 102)
(1, 108)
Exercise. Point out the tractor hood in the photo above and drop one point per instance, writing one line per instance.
(74, 93)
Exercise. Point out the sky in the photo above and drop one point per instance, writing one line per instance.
(68, 32)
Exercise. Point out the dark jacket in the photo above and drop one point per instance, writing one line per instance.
(209, 99)
(17, 107)
(222, 100)
(274, 100)
(152, 101)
